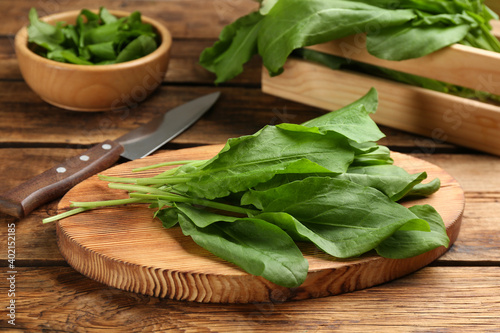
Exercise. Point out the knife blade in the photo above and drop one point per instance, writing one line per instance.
(138, 143)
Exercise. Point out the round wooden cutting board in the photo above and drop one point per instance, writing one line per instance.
(126, 248)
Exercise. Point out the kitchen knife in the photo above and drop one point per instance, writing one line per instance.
(138, 143)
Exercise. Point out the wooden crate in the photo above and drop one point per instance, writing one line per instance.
(439, 116)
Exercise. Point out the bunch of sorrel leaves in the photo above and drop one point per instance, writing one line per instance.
(100, 39)
(325, 181)
(395, 30)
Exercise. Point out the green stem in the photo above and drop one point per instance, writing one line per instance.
(159, 165)
(162, 181)
(485, 40)
(147, 181)
(95, 204)
(135, 188)
(207, 203)
(118, 179)
(493, 41)
(64, 215)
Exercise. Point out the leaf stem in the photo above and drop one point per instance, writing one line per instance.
(207, 203)
(118, 179)
(96, 204)
(162, 181)
(138, 188)
(64, 215)
(159, 165)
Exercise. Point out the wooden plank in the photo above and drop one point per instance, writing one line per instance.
(184, 18)
(38, 122)
(439, 116)
(479, 235)
(475, 173)
(9, 68)
(36, 243)
(446, 299)
(235, 114)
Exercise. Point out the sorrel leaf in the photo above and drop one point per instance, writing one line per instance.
(259, 247)
(409, 243)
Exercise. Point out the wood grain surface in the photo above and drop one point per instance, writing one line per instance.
(434, 299)
(125, 248)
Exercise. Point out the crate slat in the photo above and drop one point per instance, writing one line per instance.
(457, 64)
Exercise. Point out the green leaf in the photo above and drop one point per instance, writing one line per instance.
(90, 16)
(237, 45)
(84, 24)
(410, 243)
(379, 156)
(258, 247)
(391, 180)
(106, 16)
(43, 34)
(266, 6)
(202, 218)
(439, 6)
(424, 190)
(134, 18)
(168, 217)
(71, 37)
(103, 33)
(134, 25)
(332, 209)
(103, 51)
(67, 56)
(138, 48)
(352, 121)
(418, 41)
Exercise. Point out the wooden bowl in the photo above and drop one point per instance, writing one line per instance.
(93, 88)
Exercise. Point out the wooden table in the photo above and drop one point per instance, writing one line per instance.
(460, 291)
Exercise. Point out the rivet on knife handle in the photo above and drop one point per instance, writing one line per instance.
(54, 182)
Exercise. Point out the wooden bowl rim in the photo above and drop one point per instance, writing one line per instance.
(21, 43)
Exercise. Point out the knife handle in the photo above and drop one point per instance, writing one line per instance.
(53, 183)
